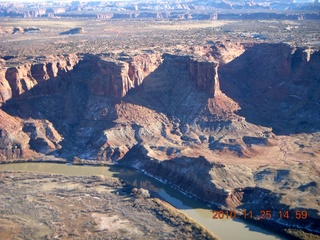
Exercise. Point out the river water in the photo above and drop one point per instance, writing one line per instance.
(226, 229)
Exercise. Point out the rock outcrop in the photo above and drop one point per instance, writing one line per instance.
(208, 121)
(12, 139)
(26, 139)
(5, 89)
(18, 80)
(116, 78)
(205, 75)
(276, 85)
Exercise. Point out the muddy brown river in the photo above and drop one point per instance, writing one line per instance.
(226, 229)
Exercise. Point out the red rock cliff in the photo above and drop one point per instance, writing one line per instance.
(202, 72)
(205, 75)
(15, 81)
(116, 78)
(102, 76)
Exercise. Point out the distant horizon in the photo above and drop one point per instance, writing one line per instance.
(24, 1)
(72, 1)
(69, 1)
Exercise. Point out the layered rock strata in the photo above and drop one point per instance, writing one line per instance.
(225, 123)
(15, 81)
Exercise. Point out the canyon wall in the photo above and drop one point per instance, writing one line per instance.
(278, 78)
(275, 84)
(103, 76)
(26, 139)
(205, 75)
(201, 71)
(116, 78)
(55, 75)
(30, 138)
(190, 175)
(14, 81)
(206, 121)
(263, 75)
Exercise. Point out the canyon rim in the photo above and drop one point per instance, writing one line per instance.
(240, 130)
(233, 123)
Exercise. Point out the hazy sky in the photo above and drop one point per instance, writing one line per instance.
(49, 0)
(62, 0)
(57, 0)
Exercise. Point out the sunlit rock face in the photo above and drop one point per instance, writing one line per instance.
(220, 122)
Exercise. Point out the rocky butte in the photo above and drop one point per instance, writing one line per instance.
(233, 124)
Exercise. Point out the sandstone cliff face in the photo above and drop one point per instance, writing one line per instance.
(142, 65)
(18, 80)
(202, 72)
(5, 89)
(205, 75)
(29, 138)
(161, 113)
(275, 84)
(106, 77)
(116, 78)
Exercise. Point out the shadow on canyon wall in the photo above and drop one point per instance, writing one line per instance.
(65, 102)
(155, 187)
(277, 86)
(260, 200)
(189, 174)
(170, 91)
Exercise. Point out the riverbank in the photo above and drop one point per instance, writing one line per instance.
(50, 206)
(287, 232)
(96, 170)
(201, 179)
(45, 159)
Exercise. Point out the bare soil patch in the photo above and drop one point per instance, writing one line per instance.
(45, 206)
